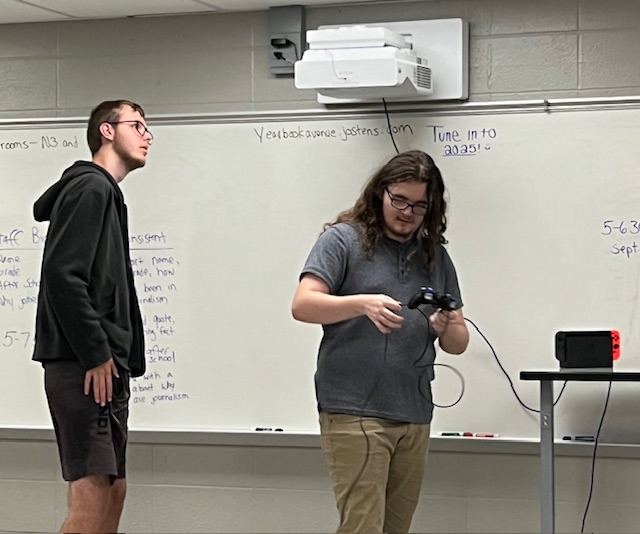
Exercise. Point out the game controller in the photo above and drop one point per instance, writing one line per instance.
(427, 295)
(615, 344)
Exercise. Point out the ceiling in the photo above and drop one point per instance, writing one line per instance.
(16, 11)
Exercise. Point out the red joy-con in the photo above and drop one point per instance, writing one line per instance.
(615, 344)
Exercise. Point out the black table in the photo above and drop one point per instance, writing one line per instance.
(546, 378)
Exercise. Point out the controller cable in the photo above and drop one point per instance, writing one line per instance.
(593, 459)
(597, 436)
(417, 364)
(367, 453)
(427, 295)
(513, 388)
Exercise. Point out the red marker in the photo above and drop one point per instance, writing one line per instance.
(485, 435)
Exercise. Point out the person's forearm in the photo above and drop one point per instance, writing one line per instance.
(320, 308)
(456, 338)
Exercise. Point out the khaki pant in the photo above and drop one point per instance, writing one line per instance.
(377, 467)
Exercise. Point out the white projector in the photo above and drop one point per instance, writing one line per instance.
(362, 62)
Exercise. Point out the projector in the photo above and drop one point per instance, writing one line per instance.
(362, 62)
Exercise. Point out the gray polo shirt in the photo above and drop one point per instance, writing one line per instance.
(362, 371)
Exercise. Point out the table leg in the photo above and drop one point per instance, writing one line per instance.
(547, 484)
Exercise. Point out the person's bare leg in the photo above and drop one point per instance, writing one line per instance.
(88, 503)
(116, 504)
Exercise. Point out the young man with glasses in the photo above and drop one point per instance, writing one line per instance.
(375, 364)
(89, 335)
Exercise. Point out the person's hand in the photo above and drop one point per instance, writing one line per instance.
(441, 320)
(382, 310)
(101, 378)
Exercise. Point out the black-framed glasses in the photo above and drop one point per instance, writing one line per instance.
(417, 209)
(140, 128)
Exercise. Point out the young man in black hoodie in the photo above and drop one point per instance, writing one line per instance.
(89, 335)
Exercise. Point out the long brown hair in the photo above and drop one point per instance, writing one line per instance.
(366, 214)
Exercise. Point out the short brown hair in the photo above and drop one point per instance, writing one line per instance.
(108, 111)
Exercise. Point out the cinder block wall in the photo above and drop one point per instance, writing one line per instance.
(520, 49)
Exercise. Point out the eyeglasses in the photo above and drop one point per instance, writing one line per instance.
(140, 128)
(402, 205)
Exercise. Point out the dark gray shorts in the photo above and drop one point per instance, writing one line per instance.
(92, 439)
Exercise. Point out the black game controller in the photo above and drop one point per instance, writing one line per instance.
(427, 295)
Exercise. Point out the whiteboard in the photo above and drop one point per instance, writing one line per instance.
(543, 230)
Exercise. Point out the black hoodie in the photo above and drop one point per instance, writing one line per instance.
(87, 304)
